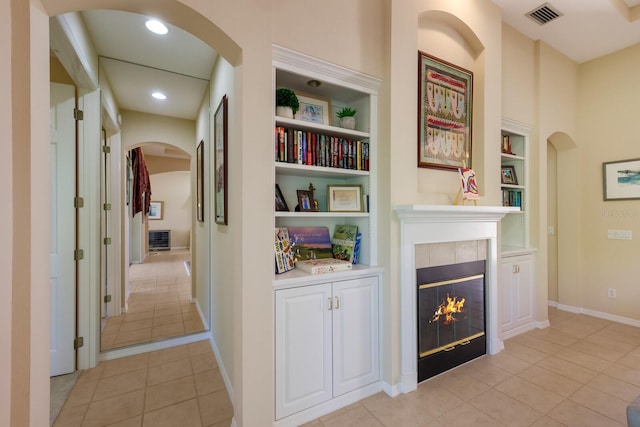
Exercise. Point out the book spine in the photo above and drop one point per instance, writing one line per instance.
(289, 145)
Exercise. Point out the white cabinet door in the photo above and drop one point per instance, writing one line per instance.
(516, 293)
(523, 290)
(506, 295)
(303, 348)
(355, 334)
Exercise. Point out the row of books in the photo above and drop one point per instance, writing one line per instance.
(310, 249)
(316, 149)
(512, 198)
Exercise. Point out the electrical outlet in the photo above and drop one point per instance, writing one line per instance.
(611, 293)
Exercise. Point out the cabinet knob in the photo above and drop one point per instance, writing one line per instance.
(330, 303)
(337, 303)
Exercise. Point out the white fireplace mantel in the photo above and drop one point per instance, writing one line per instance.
(422, 224)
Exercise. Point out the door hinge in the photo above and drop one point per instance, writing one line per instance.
(78, 254)
(78, 114)
(107, 240)
(107, 206)
(106, 149)
(78, 342)
(78, 202)
(107, 298)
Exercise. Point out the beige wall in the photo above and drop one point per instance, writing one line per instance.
(138, 128)
(174, 190)
(607, 134)
(156, 164)
(7, 225)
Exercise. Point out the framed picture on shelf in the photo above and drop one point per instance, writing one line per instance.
(306, 202)
(508, 175)
(344, 198)
(200, 181)
(315, 110)
(281, 203)
(220, 120)
(621, 180)
(444, 114)
(155, 210)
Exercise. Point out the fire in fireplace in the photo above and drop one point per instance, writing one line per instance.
(451, 321)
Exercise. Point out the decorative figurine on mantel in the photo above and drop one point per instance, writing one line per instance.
(468, 186)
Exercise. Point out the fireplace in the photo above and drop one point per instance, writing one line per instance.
(451, 322)
(440, 225)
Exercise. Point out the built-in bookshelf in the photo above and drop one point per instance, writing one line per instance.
(319, 153)
(514, 162)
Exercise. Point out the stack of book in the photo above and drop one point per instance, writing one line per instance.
(325, 265)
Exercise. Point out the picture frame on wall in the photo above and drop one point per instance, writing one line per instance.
(313, 109)
(200, 181)
(445, 99)
(621, 180)
(220, 134)
(156, 210)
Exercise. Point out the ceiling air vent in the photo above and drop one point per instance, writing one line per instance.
(544, 14)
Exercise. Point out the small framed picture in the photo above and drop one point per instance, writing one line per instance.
(344, 198)
(315, 110)
(281, 203)
(508, 175)
(155, 210)
(306, 202)
(621, 180)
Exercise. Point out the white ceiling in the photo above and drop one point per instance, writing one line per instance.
(137, 62)
(587, 29)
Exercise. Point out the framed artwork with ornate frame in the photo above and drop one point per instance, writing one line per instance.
(220, 120)
(445, 99)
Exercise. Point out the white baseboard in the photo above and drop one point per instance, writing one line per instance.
(332, 405)
(152, 346)
(598, 314)
(203, 319)
(223, 370)
(390, 390)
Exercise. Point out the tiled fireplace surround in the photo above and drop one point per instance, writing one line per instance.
(433, 235)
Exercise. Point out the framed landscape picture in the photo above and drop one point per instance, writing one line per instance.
(445, 94)
(315, 110)
(621, 180)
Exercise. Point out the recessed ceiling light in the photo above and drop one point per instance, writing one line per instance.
(156, 26)
(159, 95)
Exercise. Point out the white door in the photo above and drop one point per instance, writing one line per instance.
(355, 334)
(63, 289)
(303, 348)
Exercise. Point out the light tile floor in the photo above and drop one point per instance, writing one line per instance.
(582, 371)
(179, 386)
(159, 303)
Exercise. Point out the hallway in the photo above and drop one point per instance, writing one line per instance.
(178, 386)
(159, 304)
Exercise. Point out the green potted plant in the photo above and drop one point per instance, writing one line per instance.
(347, 117)
(286, 102)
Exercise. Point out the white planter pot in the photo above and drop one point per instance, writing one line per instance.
(284, 112)
(348, 122)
